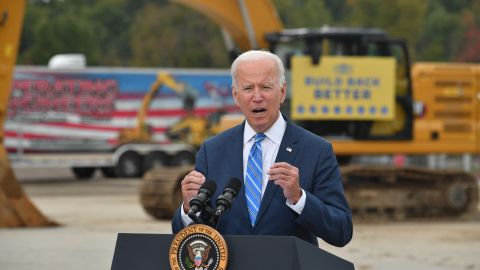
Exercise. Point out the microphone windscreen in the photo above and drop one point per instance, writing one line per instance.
(235, 184)
(209, 185)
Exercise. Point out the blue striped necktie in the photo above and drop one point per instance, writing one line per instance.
(253, 178)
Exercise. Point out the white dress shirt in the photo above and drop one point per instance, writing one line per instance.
(270, 146)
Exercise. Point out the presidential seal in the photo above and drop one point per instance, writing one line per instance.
(198, 247)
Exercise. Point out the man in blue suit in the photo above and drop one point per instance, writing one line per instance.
(294, 186)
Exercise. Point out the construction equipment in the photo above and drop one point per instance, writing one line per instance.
(122, 121)
(144, 153)
(16, 209)
(354, 86)
(360, 126)
(141, 132)
(113, 119)
(243, 22)
(439, 115)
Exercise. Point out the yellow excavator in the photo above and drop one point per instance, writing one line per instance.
(16, 209)
(355, 87)
(141, 132)
(189, 129)
(440, 115)
(243, 22)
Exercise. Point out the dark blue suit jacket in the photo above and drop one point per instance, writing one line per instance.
(326, 213)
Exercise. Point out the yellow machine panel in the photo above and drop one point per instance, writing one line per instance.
(447, 114)
(360, 88)
(449, 95)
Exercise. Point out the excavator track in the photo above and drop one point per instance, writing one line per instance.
(374, 193)
(160, 192)
(388, 193)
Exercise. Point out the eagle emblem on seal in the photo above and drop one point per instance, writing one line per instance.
(198, 255)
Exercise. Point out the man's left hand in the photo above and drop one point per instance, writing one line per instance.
(287, 177)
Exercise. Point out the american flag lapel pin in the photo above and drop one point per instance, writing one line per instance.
(289, 149)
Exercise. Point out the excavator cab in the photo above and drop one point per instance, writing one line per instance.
(194, 130)
(358, 42)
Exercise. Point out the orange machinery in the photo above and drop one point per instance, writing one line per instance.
(16, 209)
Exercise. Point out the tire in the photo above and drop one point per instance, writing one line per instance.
(108, 172)
(83, 173)
(129, 165)
(183, 158)
(160, 191)
(155, 160)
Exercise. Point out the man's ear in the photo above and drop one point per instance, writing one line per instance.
(284, 92)
(234, 95)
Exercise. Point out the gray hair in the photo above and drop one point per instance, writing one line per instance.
(256, 55)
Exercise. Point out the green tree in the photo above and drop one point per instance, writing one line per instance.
(399, 18)
(469, 48)
(441, 32)
(159, 33)
(113, 22)
(33, 15)
(339, 11)
(302, 13)
(57, 27)
(174, 36)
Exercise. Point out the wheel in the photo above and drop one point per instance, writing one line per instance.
(83, 173)
(129, 165)
(155, 160)
(160, 191)
(457, 197)
(108, 172)
(183, 158)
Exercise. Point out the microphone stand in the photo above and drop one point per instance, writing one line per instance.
(195, 219)
(214, 220)
(198, 220)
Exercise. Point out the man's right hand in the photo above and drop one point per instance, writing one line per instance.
(191, 183)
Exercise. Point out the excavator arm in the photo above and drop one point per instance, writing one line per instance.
(140, 132)
(246, 21)
(163, 79)
(16, 209)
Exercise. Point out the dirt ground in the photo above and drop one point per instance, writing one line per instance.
(93, 212)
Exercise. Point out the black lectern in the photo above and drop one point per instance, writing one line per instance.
(150, 251)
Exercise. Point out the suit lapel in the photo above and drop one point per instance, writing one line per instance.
(289, 148)
(236, 147)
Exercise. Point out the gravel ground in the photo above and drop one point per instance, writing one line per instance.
(93, 212)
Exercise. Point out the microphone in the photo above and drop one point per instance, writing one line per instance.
(199, 202)
(230, 191)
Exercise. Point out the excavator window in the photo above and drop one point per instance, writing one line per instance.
(352, 42)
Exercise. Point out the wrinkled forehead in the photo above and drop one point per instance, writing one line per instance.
(260, 70)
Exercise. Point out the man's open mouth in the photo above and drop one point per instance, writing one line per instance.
(259, 111)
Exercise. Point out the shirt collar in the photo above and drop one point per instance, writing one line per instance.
(274, 133)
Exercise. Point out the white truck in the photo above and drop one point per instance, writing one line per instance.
(72, 117)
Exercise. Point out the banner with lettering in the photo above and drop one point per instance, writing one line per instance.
(343, 87)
